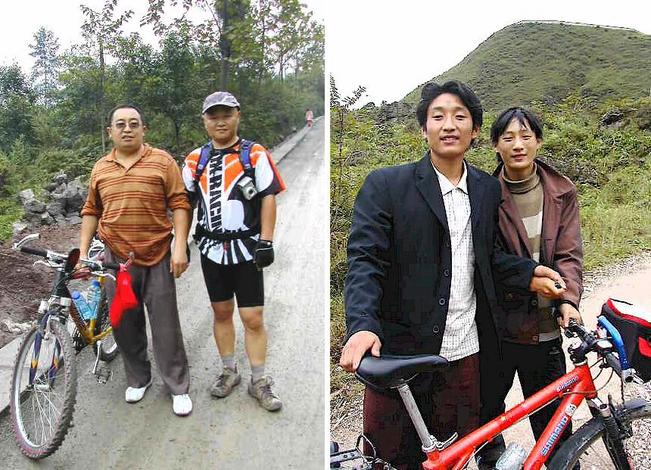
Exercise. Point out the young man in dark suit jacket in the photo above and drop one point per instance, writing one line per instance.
(421, 272)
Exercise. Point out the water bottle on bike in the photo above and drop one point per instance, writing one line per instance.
(93, 296)
(82, 306)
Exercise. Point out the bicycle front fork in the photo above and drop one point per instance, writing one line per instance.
(615, 433)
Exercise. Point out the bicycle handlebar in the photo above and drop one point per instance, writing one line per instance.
(100, 264)
(591, 343)
(34, 251)
(53, 256)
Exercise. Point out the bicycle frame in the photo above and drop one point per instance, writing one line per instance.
(572, 388)
(60, 297)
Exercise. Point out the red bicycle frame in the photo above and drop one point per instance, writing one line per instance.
(573, 388)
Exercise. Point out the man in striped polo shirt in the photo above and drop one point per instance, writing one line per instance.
(539, 219)
(131, 190)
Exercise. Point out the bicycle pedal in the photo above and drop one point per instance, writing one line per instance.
(103, 374)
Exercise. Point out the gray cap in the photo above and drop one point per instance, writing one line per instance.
(220, 98)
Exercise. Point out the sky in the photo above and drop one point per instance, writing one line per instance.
(393, 47)
(19, 21)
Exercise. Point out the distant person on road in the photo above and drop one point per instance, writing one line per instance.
(236, 218)
(539, 219)
(309, 117)
(131, 190)
(422, 264)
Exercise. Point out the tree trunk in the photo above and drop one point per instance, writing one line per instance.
(101, 94)
(177, 134)
(225, 48)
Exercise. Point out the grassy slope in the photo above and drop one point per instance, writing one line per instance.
(535, 61)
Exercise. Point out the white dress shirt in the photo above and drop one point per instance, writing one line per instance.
(460, 338)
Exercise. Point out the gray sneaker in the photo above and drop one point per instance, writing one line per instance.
(225, 383)
(261, 391)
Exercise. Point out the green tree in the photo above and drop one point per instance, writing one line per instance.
(45, 50)
(16, 106)
(101, 29)
(173, 85)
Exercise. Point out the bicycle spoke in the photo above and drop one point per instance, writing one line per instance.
(40, 416)
(52, 406)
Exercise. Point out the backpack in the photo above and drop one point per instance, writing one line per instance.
(245, 160)
(244, 155)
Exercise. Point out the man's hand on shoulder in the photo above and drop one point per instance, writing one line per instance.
(356, 347)
(547, 282)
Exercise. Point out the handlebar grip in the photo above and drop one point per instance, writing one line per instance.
(115, 266)
(34, 251)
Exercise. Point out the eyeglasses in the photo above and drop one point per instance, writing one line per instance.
(123, 125)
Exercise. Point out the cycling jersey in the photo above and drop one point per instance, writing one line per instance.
(222, 207)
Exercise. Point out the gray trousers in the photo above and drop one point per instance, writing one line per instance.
(154, 287)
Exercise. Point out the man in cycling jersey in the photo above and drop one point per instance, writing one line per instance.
(234, 233)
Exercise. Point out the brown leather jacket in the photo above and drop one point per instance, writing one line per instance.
(561, 249)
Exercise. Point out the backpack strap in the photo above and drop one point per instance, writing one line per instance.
(205, 155)
(245, 157)
(202, 163)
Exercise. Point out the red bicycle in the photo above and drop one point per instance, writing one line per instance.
(601, 443)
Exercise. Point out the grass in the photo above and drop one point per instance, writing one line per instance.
(10, 211)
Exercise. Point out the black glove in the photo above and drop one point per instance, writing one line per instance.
(264, 254)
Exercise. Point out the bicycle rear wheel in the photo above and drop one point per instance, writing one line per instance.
(589, 445)
(108, 349)
(43, 397)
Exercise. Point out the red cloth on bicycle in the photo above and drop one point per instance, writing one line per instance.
(125, 299)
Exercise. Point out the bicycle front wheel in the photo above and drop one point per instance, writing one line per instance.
(591, 447)
(108, 349)
(43, 390)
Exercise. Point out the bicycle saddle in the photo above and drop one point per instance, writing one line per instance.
(389, 371)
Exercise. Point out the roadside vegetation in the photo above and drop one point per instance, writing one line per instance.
(269, 54)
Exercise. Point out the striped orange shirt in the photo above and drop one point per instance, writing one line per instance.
(132, 205)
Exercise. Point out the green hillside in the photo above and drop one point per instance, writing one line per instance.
(546, 62)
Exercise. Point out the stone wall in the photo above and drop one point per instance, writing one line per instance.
(60, 205)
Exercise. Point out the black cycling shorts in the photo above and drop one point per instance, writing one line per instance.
(225, 280)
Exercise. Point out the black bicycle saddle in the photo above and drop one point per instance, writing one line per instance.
(388, 371)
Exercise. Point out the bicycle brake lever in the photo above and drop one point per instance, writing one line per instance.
(40, 261)
(26, 239)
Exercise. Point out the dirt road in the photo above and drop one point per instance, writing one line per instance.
(629, 280)
(234, 433)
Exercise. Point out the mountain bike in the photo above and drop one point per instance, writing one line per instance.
(600, 443)
(44, 381)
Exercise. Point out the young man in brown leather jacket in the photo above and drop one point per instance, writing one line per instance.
(538, 219)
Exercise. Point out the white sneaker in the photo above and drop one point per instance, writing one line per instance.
(181, 404)
(134, 395)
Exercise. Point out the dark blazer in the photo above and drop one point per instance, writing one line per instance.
(561, 249)
(400, 261)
